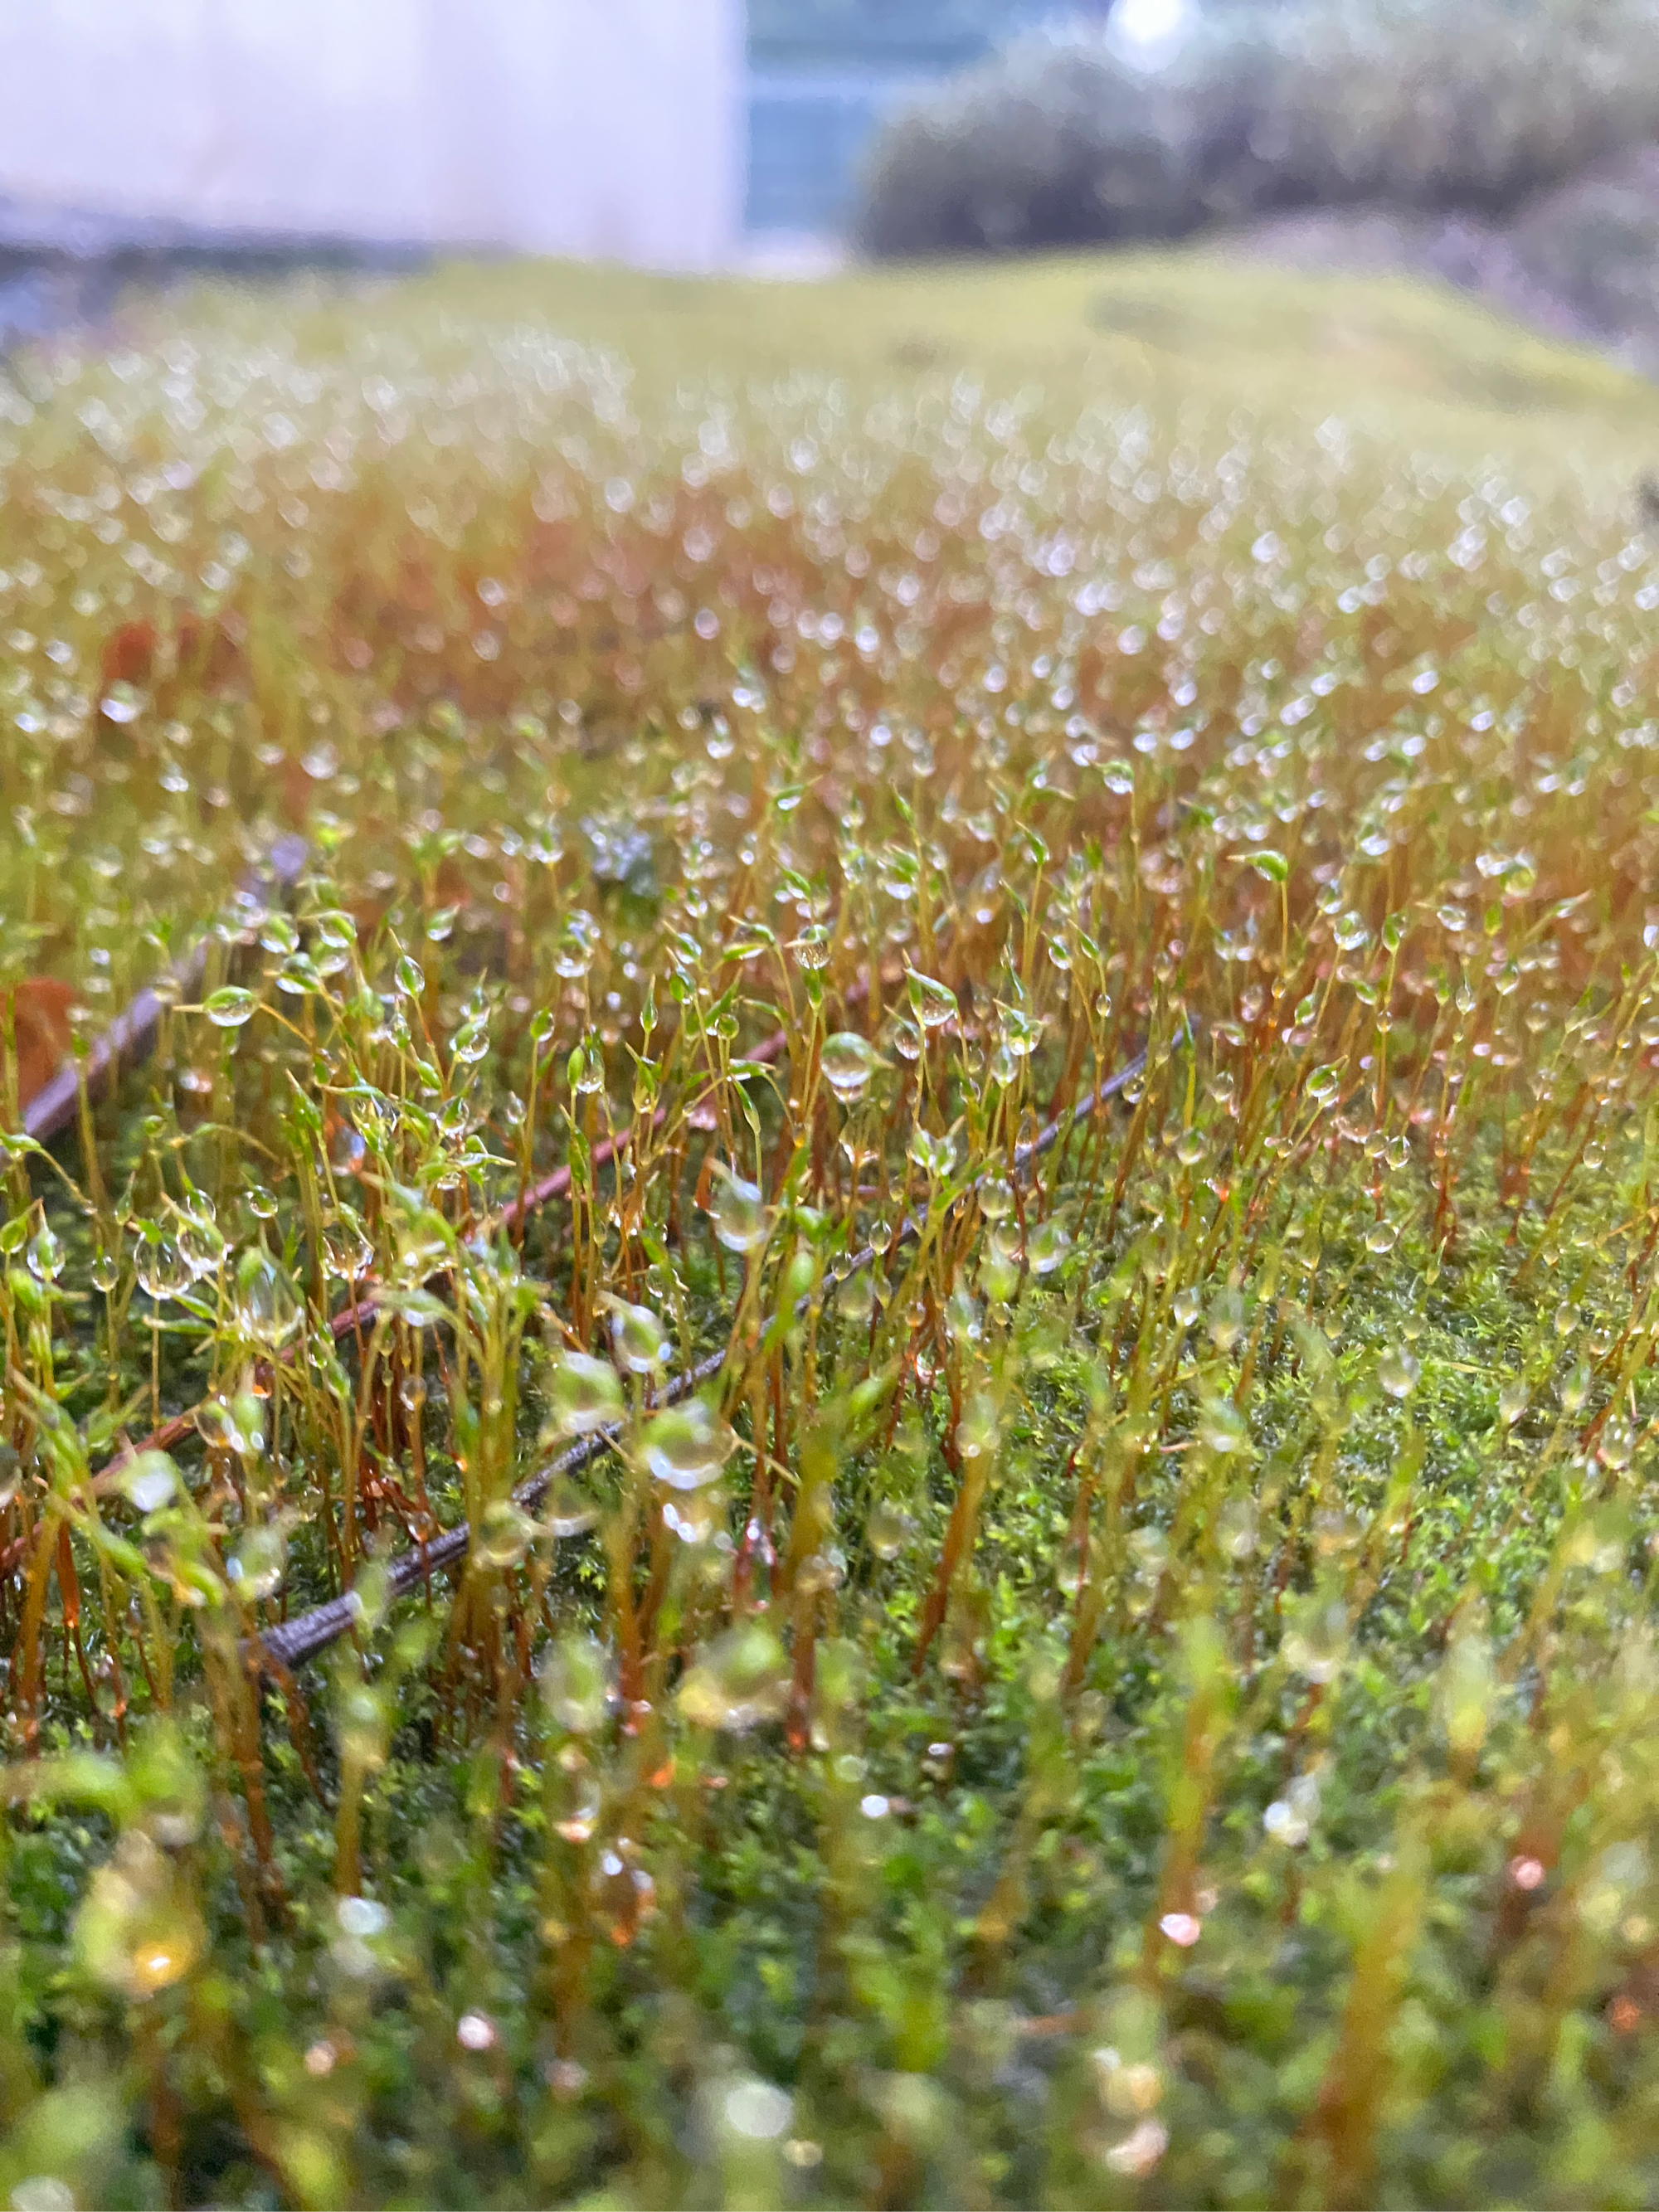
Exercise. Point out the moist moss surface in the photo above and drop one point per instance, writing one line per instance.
(1052, 870)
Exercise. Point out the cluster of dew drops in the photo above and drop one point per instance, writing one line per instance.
(981, 738)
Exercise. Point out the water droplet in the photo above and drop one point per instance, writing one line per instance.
(138, 1931)
(1047, 1247)
(933, 1003)
(161, 1273)
(1187, 1307)
(687, 1446)
(46, 1256)
(566, 1510)
(758, 2110)
(996, 1198)
(41, 2192)
(1284, 1824)
(585, 1069)
(697, 1518)
(849, 1062)
(1616, 1445)
(347, 1253)
(255, 1569)
(362, 1723)
(1227, 1318)
(639, 1340)
(267, 1310)
(471, 1043)
(888, 1529)
(149, 1481)
(577, 943)
(811, 947)
(201, 1248)
(363, 1916)
(978, 1431)
(1398, 1370)
(624, 1895)
(347, 1151)
(121, 703)
(1235, 1527)
(229, 1007)
(739, 1214)
(578, 1683)
(1222, 1428)
(934, 1155)
(585, 1396)
(1317, 1642)
(741, 1681)
(505, 1534)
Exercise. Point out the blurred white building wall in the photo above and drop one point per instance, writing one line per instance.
(598, 128)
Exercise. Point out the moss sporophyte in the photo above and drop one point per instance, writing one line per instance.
(848, 1397)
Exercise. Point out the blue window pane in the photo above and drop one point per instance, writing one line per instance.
(821, 73)
(804, 150)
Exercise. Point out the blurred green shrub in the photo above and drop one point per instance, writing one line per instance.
(1435, 105)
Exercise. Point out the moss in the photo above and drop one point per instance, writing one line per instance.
(1169, 1642)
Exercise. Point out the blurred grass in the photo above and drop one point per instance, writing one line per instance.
(1169, 330)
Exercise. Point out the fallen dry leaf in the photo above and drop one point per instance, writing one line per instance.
(42, 1015)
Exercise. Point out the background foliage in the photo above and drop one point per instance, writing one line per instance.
(1410, 104)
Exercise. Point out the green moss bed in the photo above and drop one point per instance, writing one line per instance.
(1050, 878)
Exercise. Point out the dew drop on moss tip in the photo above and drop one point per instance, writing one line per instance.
(255, 1567)
(566, 1510)
(45, 1256)
(888, 1529)
(638, 1338)
(578, 1683)
(267, 1310)
(996, 1198)
(848, 1062)
(149, 1482)
(505, 1534)
(229, 1007)
(739, 1214)
(740, 1681)
(1047, 1247)
(585, 1396)
(1398, 1372)
(687, 1446)
(933, 1003)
